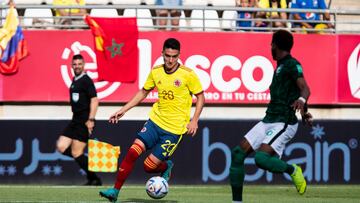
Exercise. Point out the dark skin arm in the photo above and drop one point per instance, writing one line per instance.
(299, 105)
(305, 24)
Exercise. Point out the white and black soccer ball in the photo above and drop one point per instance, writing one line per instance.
(157, 187)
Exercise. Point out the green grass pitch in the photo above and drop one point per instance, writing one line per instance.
(182, 193)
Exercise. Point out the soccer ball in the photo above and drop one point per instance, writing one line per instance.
(157, 187)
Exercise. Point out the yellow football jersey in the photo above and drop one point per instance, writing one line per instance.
(266, 4)
(68, 3)
(172, 110)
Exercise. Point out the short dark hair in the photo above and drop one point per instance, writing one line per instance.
(171, 43)
(283, 39)
(77, 56)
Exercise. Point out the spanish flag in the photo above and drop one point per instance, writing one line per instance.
(117, 54)
(13, 47)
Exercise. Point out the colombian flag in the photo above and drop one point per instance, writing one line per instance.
(116, 48)
(12, 44)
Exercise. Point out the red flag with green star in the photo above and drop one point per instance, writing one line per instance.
(115, 48)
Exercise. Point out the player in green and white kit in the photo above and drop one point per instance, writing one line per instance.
(289, 93)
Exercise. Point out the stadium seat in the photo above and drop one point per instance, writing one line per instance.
(210, 19)
(108, 12)
(183, 22)
(197, 24)
(144, 18)
(149, 2)
(29, 2)
(195, 3)
(228, 21)
(38, 16)
(133, 2)
(130, 12)
(212, 22)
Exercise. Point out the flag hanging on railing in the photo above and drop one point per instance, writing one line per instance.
(115, 47)
(13, 47)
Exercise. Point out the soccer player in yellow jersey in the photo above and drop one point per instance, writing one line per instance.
(169, 117)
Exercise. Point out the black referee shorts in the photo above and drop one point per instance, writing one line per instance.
(77, 131)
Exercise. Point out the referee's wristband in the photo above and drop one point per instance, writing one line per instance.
(302, 99)
(91, 119)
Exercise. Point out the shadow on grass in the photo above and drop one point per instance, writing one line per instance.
(133, 200)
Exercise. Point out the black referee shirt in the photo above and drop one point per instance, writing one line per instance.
(82, 89)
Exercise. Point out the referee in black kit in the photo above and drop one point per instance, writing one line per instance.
(84, 104)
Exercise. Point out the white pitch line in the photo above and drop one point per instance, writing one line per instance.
(140, 186)
(79, 187)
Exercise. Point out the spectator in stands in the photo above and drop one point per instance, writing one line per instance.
(244, 18)
(175, 14)
(274, 4)
(308, 16)
(69, 12)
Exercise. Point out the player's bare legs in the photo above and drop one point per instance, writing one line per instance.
(62, 145)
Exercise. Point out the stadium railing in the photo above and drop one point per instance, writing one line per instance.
(344, 20)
